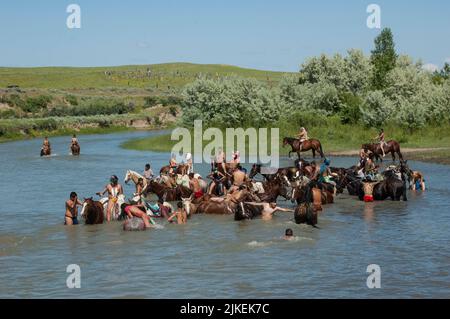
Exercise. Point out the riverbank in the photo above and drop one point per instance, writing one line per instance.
(428, 145)
(156, 118)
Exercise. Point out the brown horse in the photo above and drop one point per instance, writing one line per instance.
(289, 172)
(225, 206)
(181, 169)
(392, 147)
(168, 194)
(92, 212)
(75, 148)
(46, 151)
(299, 147)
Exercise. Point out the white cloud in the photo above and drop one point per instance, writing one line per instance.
(430, 67)
(143, 45)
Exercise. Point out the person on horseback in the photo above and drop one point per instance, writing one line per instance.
(74, 140)
(148, 173)
(302, 136)
(236, 158)
(220, 159)
(381, 140)
(217, 181)
(172, 164)
(370, 170)
(114, 189)
(188, 161)
(139, 190)
(45, 144)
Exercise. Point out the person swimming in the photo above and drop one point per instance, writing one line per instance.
(288, 234)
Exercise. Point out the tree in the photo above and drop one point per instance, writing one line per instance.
(383, 58)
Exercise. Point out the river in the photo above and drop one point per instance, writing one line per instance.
(211, 256)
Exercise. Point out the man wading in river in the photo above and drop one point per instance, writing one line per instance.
(114, 189)
(71, 215)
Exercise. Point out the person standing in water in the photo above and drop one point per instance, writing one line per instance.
(71, 215)
(268, 209)
(114, 189)
(179, 216)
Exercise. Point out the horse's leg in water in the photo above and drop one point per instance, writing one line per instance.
(314, 152)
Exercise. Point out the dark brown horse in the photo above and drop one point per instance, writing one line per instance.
(289, 172)
(392, 147)
(75, 148)
(93, 212)
(308, 145)
(168, 194)
(46, 151)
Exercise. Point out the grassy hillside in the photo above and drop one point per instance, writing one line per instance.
(168, 77)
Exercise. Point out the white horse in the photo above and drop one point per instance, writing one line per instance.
(135, 176)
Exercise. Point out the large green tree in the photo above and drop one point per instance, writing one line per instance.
(383, 58)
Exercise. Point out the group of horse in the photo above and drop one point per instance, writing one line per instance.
(297, 184)
(74, 149)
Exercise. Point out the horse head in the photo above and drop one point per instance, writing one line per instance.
(127, 177)
(286, 141)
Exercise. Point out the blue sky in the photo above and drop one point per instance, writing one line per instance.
(273, 35)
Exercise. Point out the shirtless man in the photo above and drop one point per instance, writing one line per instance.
(71, 216)
(194, 185)
(114, 189)
(220, 160)
(269, 209)
(135, 211)
(179, 215)
(139, 190)
(238, 178)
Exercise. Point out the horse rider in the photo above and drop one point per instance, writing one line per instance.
(74, 140)
(188, 161)
(236, 158)
(381, 140)
(114, 189)
(172, 164)
(370, 169)
(46, 144)
(363, 156)
(220, 160)
(148, 173)
(302, 136)
(217, 179)
(325, 175)
(139, 190)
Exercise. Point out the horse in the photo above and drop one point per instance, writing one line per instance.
(135, 176)
(75, 149)
(289, 172)
(275, 188)
(92, 212)
(225, 206)
(392, 147)
(46, 151)
(313, 145)
(168, 194)
(309, 193)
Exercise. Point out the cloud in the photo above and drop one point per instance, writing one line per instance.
(143, 45)
(430, 67)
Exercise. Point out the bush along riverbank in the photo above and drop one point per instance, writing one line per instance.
(151, 119)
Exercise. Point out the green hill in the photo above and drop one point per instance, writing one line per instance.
(169, 77)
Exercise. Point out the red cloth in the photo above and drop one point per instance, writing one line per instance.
(198, 194)
(368, 198)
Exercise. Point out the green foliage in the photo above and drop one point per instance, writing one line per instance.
(351, 108)
(376, 109)
(383, 58)
(36, 104)
(229, 102)
(72, 99)
(96, 107)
